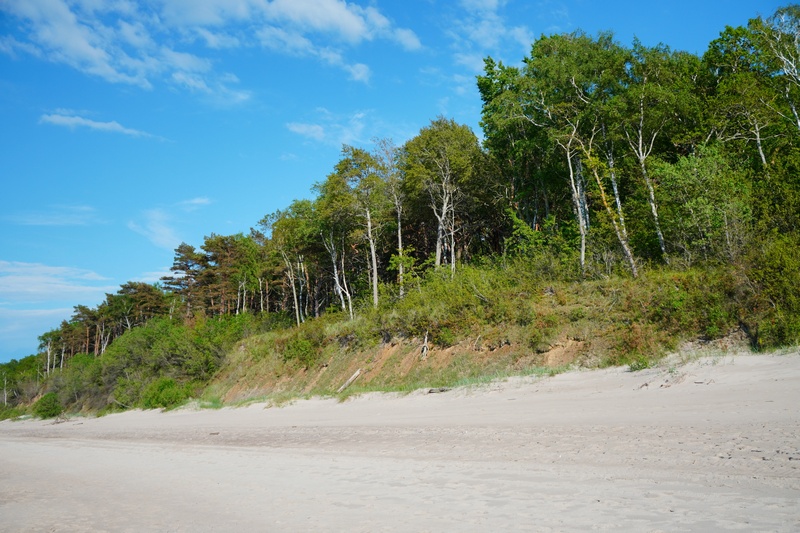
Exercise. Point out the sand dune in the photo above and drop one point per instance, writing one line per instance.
(711, 445)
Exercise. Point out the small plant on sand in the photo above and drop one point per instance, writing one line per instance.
(640, 363)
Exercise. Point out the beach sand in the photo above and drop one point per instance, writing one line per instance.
(709, 445)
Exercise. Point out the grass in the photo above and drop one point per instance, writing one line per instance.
(489, 322)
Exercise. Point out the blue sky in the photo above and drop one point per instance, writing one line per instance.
(128, 127)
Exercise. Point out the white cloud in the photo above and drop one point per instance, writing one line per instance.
(294, 43)
(335, 129)
(157, 228)
(482, 30)
(279, 39)
(59, 215)
(73, 121)
(345, 20)
(154, 276)
(34, 282)
(218, 40)
(20, 329)
(191, 13)
(194, 203)
(62, 36)
(184, 62)
(359, 72)
(312, 131)
(116, 42)
(407, 39)
(138, 44)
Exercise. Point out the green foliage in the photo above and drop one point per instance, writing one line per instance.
(48, 406)
(164, 393)
(640, 363)
(301, 350)
(524, 240)
(9, 412)
(706, 203)
(599, 160)
(774, 269)
(127, 392)
(82, 377)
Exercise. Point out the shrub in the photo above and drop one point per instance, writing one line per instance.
(301, 350)
(9, 412)
(48, 406)
(774, 268)
(164, 393)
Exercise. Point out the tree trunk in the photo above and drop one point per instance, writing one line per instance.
(651, 199)
(578, 199)
(339, 287)
(347, 290)
(617, 221)
(373, 255)
(400, 266)
(290, 273)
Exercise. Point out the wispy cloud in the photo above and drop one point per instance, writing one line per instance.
(74, 121)
(154, 276)
(295, 43)
(194, 204)
(142, 44)
(481, 29)
(334, 129)
(312, 131)
(157, 227)
(34, 282)
(58, 215)
(19, 328)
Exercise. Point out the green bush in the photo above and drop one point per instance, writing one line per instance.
(9, 412)
(774, 270)
(48, 406)
(164, 393)
(301, 350)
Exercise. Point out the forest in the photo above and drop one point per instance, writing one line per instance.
(624, 197)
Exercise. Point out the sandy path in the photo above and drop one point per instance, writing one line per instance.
(711, 446)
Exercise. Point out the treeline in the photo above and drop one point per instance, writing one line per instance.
(598, 160)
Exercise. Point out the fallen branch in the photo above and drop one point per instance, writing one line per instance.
(349, 381)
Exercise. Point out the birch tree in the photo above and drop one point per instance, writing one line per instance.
(438, 162)
(360, 171)
(655, 93)
(387, 155)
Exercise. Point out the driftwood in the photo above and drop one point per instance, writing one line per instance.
(349, 381)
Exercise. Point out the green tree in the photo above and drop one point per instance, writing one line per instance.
(708, 204)
(439, 163)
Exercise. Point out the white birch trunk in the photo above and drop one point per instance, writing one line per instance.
(374, 258)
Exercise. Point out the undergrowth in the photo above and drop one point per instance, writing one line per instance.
(488, 322)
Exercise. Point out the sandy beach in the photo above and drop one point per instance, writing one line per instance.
(710, 445)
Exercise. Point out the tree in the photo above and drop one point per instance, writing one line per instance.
(188, 266)
(780, 35)
(743, 102)
(440, 162)
(707, 201)
(360, 170)
(565, 81)
(656, 96)
(387, 156)
(336, 212)
(292, 232)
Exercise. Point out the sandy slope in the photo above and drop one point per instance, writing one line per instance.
(708, 446)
